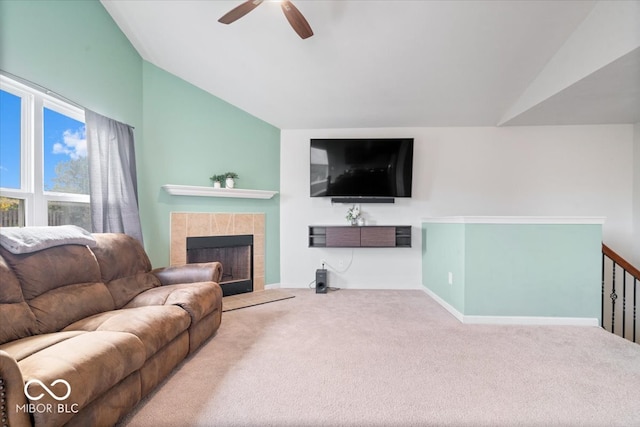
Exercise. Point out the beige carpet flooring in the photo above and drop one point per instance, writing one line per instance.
(394, 358)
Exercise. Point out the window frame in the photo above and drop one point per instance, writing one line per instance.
(31, 191)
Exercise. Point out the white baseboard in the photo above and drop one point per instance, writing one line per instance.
(512, 320)
(444, 304)
(531, 320)
(353, 286)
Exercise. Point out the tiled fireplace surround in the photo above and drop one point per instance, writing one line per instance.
(196, 224)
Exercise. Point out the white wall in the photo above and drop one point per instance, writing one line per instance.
(555, 171)
(635, 258)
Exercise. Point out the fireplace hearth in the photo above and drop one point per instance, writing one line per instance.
(235, 252)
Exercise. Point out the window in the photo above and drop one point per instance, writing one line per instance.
(44, 170)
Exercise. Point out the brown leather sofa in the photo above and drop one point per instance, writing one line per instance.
(85, 333)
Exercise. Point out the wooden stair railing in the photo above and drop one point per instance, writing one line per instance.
(611, 271)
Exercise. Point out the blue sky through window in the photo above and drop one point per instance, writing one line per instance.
(64, 139)
(9, 140)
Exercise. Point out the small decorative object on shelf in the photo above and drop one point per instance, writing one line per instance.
(217, 180)
(230, 179)
(353, 213)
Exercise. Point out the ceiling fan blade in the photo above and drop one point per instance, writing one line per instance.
(239, 11)
(297, 21)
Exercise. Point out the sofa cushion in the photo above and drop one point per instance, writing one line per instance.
(91, 363)
(60, 284)
(16, 317)
(155, 326)
(108, 408)
(25, 347)
(57, 308)
(17, 321)
(120, 255)
(125, 289)
(198, 299)
(124, 266)
(52, 268)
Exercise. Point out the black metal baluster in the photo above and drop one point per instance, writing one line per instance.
(613, 297)
(624, 301)
(635, 291)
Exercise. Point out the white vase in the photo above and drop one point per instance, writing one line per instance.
(229, 183)
(216, 184)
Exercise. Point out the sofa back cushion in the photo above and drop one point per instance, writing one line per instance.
(49, 269)
(16, 318)
(60, 307)
(60, 284)
(124, 266)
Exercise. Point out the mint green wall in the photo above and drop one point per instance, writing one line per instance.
(443, 251)
(515, 269)
(76, 50)
(533, 270)
(189, 135)
(183, 134)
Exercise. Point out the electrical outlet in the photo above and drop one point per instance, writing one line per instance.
(450, 278)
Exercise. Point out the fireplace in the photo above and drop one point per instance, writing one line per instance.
(201, 224)
(235, 252)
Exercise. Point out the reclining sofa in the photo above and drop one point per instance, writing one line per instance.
(87, 328)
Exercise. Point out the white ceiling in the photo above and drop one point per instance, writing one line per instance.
(400, 63)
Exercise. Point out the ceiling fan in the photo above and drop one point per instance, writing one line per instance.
(293, 15)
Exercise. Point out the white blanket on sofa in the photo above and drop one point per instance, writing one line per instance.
(22, 240)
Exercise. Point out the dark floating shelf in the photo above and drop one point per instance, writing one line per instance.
(368, 236)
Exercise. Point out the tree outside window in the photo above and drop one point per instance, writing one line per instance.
(44, 170)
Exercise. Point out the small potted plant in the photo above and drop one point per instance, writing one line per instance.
(217, 180)
(230, 178)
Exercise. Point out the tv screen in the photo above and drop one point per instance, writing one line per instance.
(361, 167)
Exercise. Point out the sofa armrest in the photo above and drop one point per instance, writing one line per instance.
(12, 399)
(189, 273)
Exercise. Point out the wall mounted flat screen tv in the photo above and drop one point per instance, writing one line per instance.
(361, 167)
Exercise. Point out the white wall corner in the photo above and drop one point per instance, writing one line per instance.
(451, 309)
(636, 196)
(609, 32)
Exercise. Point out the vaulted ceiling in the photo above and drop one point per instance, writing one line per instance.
(399, 63)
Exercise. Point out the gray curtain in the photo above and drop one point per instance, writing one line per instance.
(112, 175)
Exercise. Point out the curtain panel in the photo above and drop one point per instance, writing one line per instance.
(112, 175)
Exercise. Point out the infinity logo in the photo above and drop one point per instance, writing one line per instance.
(52, 394)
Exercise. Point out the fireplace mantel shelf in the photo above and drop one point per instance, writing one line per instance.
(192, 190)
